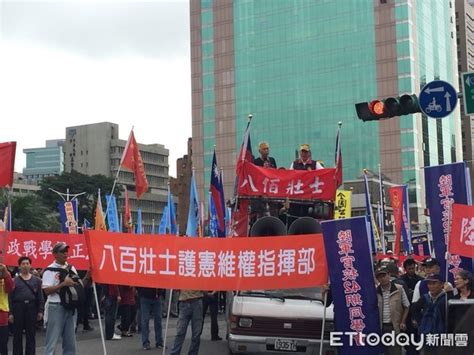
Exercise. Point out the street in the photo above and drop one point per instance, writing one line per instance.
(90, 342)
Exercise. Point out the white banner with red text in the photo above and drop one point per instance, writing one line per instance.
(207, 263)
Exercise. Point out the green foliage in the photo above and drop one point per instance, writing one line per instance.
(29, 214)
(77, 183)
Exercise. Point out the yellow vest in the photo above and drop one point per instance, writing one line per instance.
(3, 297)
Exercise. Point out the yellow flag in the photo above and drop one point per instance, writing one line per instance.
(99, 224)
(342, 207)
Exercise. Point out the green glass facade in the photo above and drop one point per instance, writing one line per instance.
(300, 66)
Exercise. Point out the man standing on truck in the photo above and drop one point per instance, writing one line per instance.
(305, 162)
(265, 160)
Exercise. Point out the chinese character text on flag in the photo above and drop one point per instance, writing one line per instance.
(461, 238)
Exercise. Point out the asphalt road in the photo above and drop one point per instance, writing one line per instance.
(90, 342)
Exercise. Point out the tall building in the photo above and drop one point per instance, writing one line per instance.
(465, 41)
(180, 187)
(300, 66)
(44, 162)
(96, 149)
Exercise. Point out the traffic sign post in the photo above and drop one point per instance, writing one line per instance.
(438, 99)
(468, 92)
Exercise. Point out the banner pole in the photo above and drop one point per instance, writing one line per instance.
(98, 317)
(167, 320)
(10, 193)
(447, 262)
(324, 324)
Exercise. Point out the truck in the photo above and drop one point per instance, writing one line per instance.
(281, 320)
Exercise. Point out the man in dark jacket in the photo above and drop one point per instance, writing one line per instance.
(265, 160)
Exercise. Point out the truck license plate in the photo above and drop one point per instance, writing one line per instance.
(285, 344)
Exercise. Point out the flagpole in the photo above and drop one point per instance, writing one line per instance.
(324, 324)
(167, 320)
(10, 193)
(447, 260)
(98, 317)
(382, 217)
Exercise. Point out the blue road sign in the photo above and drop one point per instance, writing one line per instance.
(438, 99)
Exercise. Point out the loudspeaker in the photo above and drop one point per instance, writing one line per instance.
(268, 226)
(304, 225)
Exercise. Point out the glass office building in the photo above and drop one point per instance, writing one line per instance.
(300, 66)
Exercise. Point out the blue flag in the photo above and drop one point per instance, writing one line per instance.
(164, 221)
(368, 213)
(352, 282)
(420, 245)
(213, 221)
(217, 196)
(68, 214)
(192, 227)
(112, 214)
(171, 223)
(139, 227)
(446, 185)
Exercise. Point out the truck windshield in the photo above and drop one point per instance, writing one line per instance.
(313, 293)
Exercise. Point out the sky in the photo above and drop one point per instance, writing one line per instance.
(72, 62)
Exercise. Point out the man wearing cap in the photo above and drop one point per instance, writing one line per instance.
(429, 312)
(393, 306)
(265, 160)
(305, 162)
(60, 322)
(431, 266)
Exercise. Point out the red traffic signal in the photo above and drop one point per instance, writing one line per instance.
(388, 108)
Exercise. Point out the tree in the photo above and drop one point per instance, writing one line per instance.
(29, 214)
(77, 183)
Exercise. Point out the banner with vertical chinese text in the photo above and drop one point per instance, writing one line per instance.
(352, 281)
(207, 263)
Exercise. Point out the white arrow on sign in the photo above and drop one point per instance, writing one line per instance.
(468, 81)
(438, 89)
(447, 96)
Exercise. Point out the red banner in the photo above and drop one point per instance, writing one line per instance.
(461, 238)
(38, 247)
(207, 263)
(281, 183)
(7, 163)
(396, 200)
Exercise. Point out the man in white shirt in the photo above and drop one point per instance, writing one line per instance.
(60, 321)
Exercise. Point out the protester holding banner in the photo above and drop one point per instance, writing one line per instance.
(190, 310)
(393, 307)
(150, 302)
(27, 306)
(210, 301)
(111, 298)
(431, 266)
(60, 322)
(430, 309)
(6, 287)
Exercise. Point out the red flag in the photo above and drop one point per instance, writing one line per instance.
(396, 199)
(461, 238)
(128, 214)
(132, 160)
(7, 163)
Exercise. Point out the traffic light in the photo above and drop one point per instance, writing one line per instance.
(388, 108)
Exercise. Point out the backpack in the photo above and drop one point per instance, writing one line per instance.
(432, 321)
(72, 297)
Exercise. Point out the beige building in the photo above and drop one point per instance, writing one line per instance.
(96, 149)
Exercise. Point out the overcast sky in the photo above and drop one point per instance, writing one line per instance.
(73, 62)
